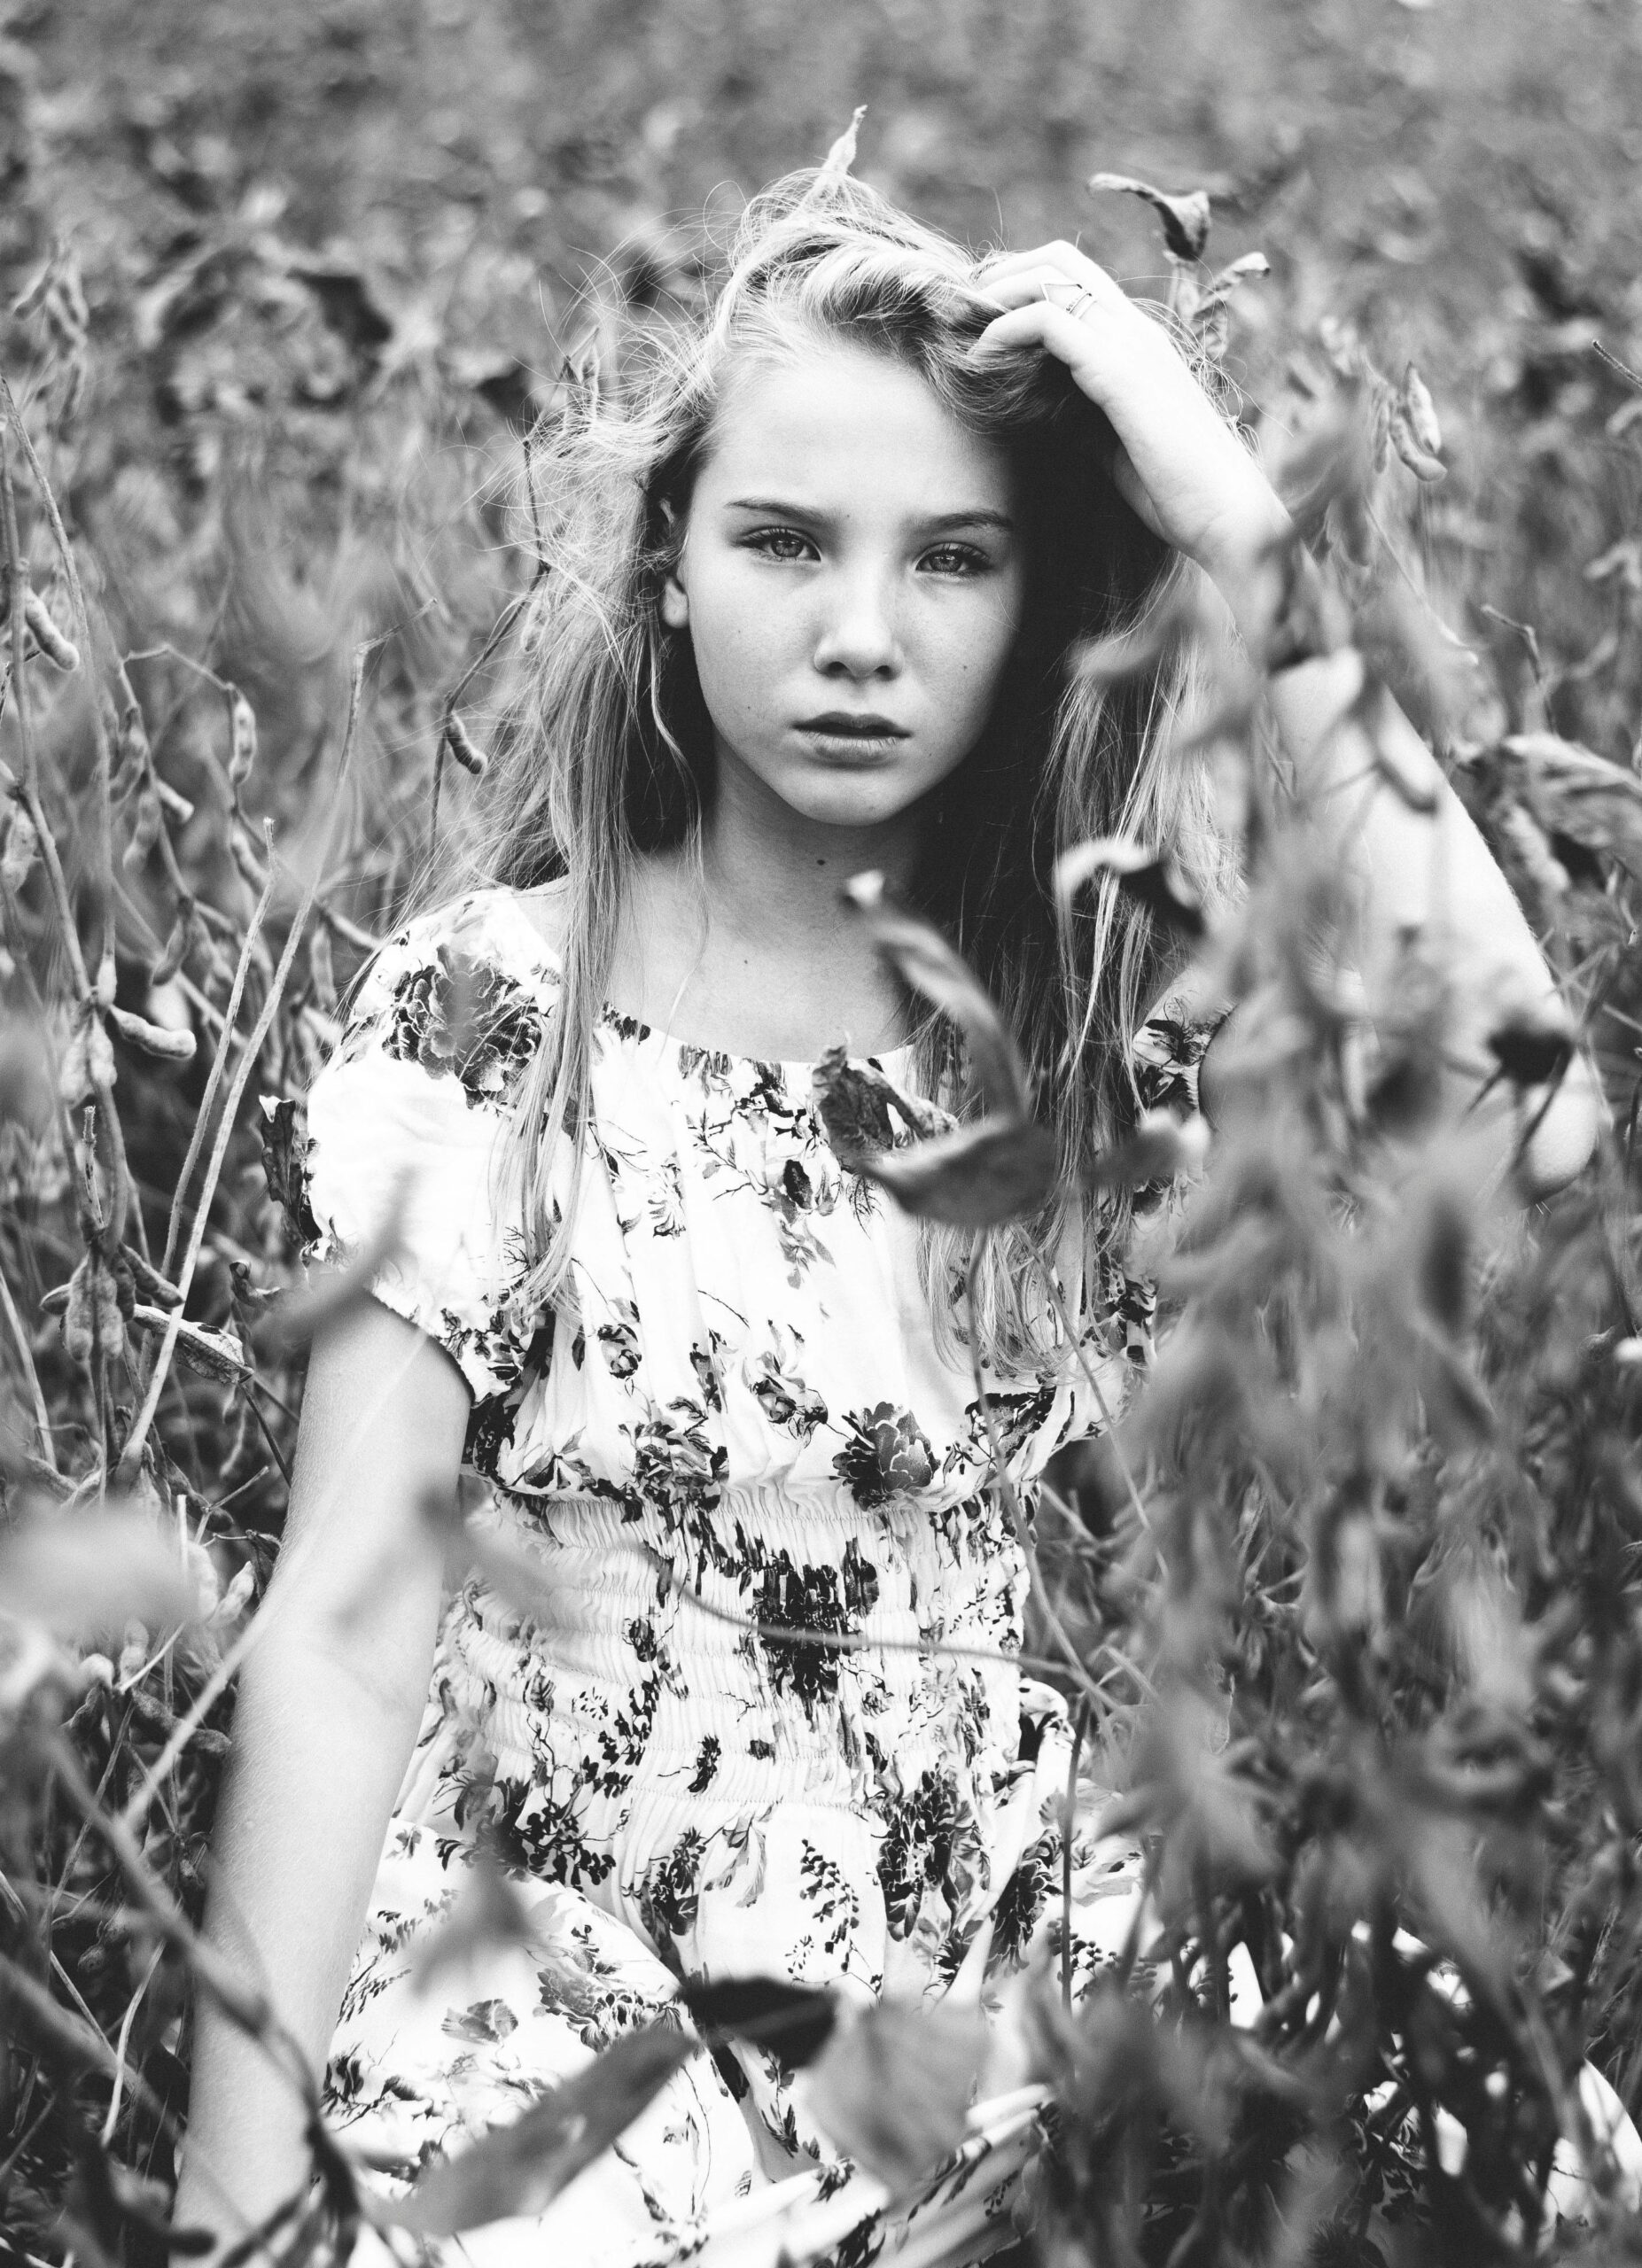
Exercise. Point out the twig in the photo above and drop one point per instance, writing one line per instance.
(42, 1416)
(131, 1456)
(1621, 370)
(1075, 1342)
(113, 2117)
(857, 1642)
(1012, 1502)
(1080, 1726)
(219, 1062)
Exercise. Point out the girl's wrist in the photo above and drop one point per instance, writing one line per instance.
(1239, 544)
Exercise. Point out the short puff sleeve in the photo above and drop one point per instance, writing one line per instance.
(408, 1112)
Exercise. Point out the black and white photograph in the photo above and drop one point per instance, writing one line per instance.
(821, 1055)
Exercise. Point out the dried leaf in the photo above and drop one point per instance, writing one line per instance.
(212, 1354)
(977, 1177)
(922, 958)
(1147, 875)
(1160, 1148)
(855, 1102)
(1185, 217)
(794, 2021)
(1210, 318)
(283, 1132)
(520, 2169)
(893, 2088)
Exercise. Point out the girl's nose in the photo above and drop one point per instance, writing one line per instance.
(858, 637)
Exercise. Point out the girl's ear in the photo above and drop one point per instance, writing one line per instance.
(675, 606)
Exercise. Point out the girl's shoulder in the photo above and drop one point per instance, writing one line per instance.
(488, 936)
(464, 988)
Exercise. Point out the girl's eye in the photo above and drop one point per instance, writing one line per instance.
(956, 559)
(779, 543)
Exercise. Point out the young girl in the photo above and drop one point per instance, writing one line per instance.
(810, 611)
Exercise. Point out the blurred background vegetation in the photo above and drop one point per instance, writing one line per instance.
(287, 285)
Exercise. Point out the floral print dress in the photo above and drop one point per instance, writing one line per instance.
(744, 1429)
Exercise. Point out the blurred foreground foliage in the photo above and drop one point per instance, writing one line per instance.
(287, 288)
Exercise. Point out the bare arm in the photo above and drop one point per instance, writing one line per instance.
(330, 1700)
(1188, 475)
(1431, 872)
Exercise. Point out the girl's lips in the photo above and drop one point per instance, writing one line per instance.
(853, 747)
(838, 723)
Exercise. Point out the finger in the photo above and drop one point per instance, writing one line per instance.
(1042, 323)
(1057, 259)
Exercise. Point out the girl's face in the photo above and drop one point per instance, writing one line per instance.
(851, 578)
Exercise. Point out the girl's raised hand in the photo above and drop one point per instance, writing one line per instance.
(1178, 464)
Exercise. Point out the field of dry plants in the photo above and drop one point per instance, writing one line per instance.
(1358, 1625)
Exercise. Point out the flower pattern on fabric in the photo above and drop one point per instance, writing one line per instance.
(757, 1709)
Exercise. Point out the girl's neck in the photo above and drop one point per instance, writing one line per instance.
(750, 947)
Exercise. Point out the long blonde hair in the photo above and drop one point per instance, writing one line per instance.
(605, 751)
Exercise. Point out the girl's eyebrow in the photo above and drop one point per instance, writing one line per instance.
(938, 524)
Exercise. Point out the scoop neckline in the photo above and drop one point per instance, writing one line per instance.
(628, 1029)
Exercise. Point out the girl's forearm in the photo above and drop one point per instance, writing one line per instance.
(318, 1755)
(1427, 871)
(1422, 869)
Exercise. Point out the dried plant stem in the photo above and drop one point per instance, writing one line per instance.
(857, 1642)
(32, 803)
(112, 2117)
(48, 505)
(219, 1063)
(1080, 1726)
(1058, 1298)
(42, 1416)
(131, 1456)
(1012, 1502)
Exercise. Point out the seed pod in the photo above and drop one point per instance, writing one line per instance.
(242, 752)
(180, 810)
(33, 294)
(74, 1079)
(22, 848)
(457, 739)
(100, 1058)
(1420, 412)
(145, 831)
(131, 737)
(153, 1039)
(1406, 441)
(133, 1652)
(48, 637)
(175, 950)
(320, 970)
(245, 856)
(93, 1327)
(213, 1354)
(73, 388)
